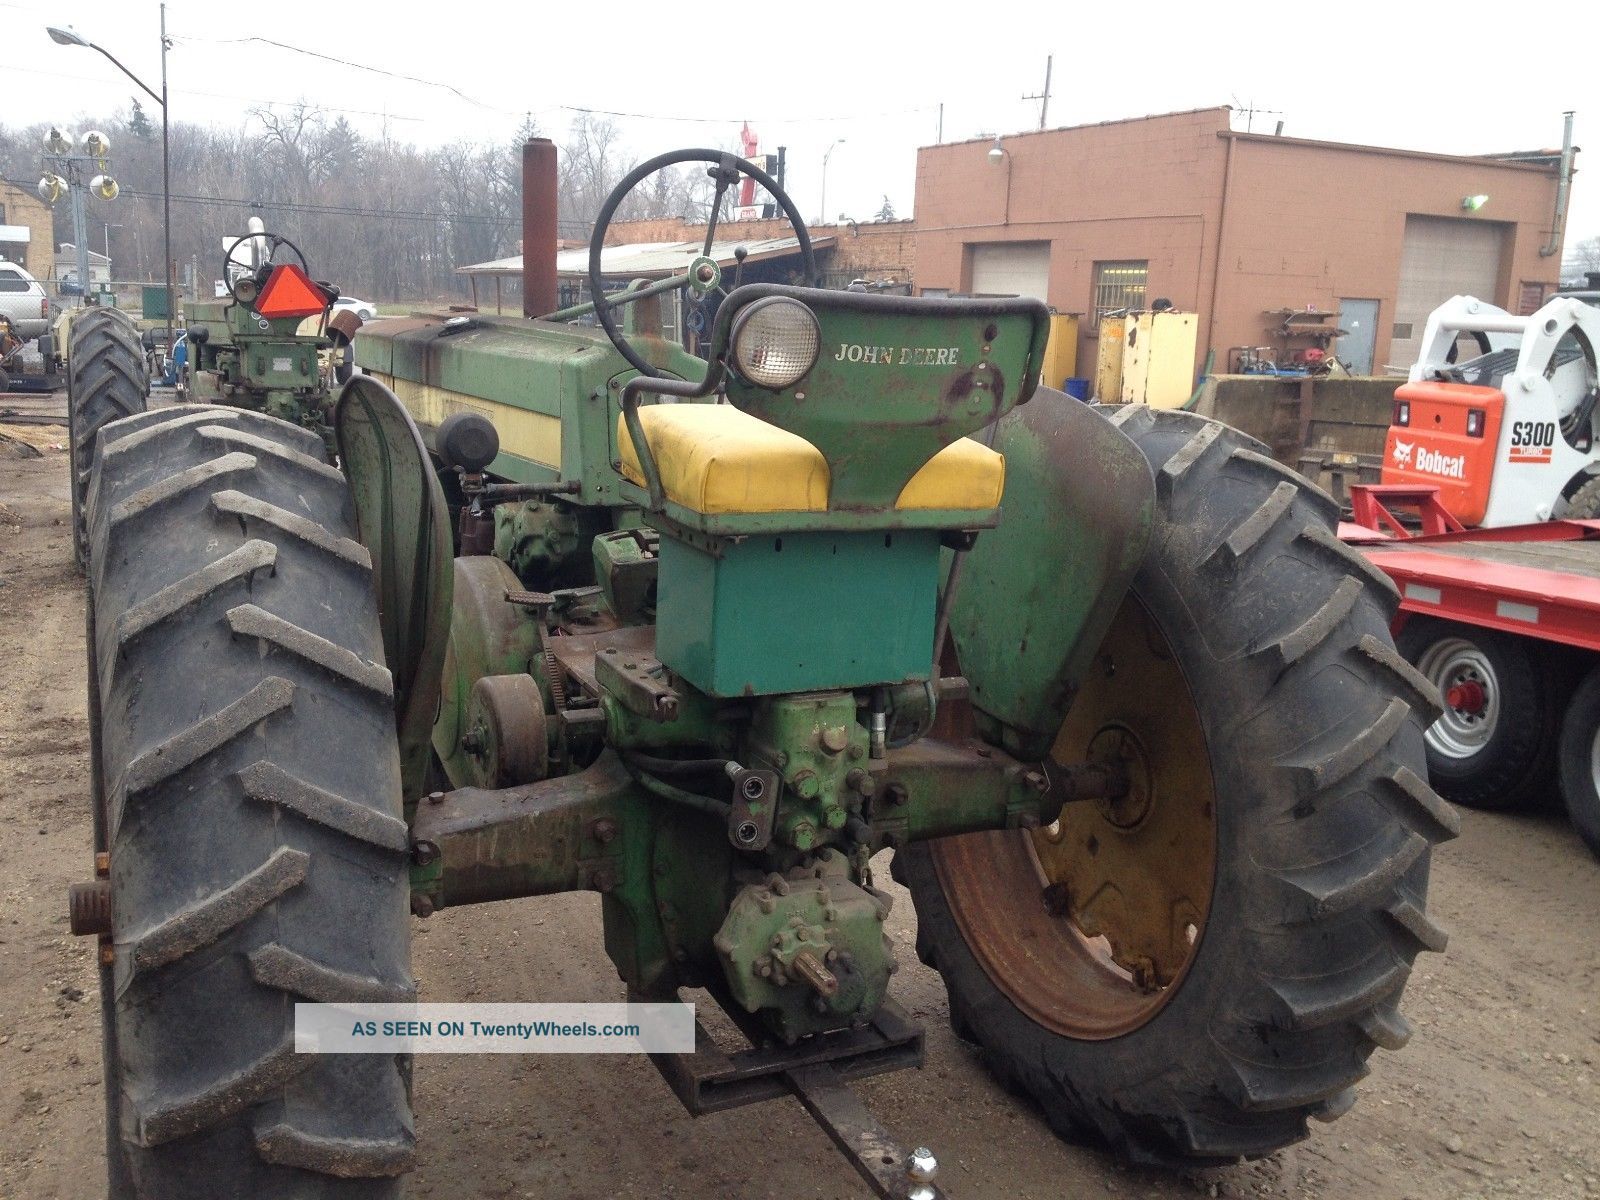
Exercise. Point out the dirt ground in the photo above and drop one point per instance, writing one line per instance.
(1495, 1096)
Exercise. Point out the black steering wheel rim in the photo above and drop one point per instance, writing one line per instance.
(604, 309)
(274, 240)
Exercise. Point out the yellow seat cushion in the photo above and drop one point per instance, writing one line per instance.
(964, 475)
(715, 460)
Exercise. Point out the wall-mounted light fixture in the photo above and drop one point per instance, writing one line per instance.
(1473, 203)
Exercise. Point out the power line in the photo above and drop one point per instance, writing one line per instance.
(365, 112)
(355, 66)
(573, 108)
(338, 210)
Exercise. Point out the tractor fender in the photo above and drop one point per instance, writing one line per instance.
(403, 521)
(1038, 593)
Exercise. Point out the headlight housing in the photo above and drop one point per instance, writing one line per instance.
(775, 341)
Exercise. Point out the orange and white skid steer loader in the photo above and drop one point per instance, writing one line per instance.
(1500, 413)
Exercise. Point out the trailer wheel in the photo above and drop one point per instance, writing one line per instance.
(1193, 970)
(1493, 746)
(244, 728)
(1579, 756)
(106, 381)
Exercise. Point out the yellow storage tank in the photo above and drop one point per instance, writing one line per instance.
(1108, 361)
(1157, 358)
(1061, 354)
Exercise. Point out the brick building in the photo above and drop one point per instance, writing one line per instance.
(27, 230)
(1233, 226)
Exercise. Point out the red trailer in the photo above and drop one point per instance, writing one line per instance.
(1506, 624)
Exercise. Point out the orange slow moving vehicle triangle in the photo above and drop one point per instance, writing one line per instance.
(290, 293)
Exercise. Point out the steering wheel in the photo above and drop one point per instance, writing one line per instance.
(704, 276)
(249, 269)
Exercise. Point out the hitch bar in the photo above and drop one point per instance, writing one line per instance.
(816, 1073)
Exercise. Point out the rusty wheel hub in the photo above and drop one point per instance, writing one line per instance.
(1089, 923)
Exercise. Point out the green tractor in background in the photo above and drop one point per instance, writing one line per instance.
(576, 610)
(273, 344)
(283, 354)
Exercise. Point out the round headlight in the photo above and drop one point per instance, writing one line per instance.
(775, 342)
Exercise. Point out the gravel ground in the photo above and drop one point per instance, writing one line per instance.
(1495, 1096)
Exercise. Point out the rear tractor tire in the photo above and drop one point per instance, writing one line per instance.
(1193, 970)
(106, 381)
(243, 723)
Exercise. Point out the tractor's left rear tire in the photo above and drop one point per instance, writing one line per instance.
(247, 765)
(1279, 819)
(106, 381)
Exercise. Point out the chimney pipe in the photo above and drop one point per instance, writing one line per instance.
(538, 227)
(1558, 224)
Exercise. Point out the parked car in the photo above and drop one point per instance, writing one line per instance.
(365, 309)
(69, 284)
(24, 301)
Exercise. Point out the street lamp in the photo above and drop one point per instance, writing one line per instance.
(822, 208)
(76, 159)
(70, 37)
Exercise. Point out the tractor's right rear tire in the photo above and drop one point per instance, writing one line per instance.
(1191, 971)
(244, 727)
(106, 381)
(1579, 756)
(1494, 745)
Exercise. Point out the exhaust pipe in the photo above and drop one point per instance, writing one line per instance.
(538, 227)
(1558, 224)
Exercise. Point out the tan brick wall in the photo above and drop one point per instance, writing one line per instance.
(1305, 223)
(24, 208)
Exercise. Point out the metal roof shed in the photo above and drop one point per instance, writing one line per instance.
(644, 260)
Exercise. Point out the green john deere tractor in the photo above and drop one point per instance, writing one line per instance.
(571, 609)
(272, 344)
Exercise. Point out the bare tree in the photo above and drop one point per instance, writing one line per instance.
(1584, 257)
(378, 217)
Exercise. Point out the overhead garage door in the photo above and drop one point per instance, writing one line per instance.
(1011, 269)
(1443, 257)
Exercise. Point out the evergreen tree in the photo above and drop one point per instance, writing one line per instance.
(138, 124)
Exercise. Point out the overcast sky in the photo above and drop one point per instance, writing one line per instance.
(1469, 78)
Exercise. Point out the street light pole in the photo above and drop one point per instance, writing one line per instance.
(70, 37)
(822, 217)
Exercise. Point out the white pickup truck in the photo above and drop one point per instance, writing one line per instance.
(24, 301)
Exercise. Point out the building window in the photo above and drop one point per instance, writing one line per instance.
(1118, 287)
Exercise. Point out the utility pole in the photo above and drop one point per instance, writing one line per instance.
(80, 232)
(941, 123)
(166, 177)
(822, 217)
(1042, 97)
(110, 225)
